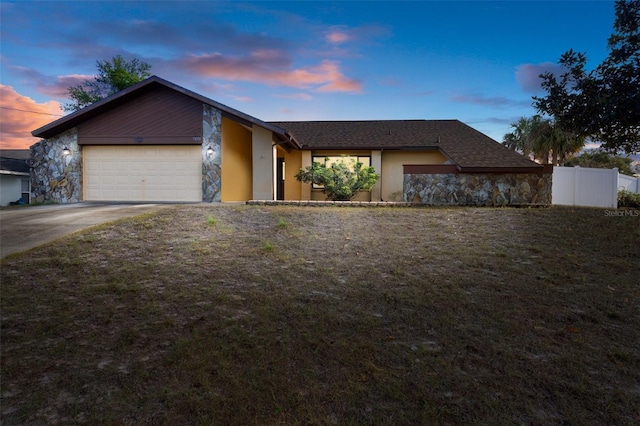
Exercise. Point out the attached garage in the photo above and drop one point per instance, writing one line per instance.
(155, 142)
(142, 173)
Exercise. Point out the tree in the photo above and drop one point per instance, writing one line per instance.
(521, 138)
(603, 104)
(602, 160)
(113, 76)
(543, 138)
(340, 181)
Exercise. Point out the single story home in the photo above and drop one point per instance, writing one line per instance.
(156, 141)
(14, 177)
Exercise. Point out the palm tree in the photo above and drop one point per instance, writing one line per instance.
(542, 138)
(519, 139)
(565, 143)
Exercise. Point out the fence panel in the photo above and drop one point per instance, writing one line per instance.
(578, 186)
(563, 185)
(629, 183)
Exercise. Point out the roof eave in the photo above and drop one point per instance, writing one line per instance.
(11, 172)
(508, 169)
(371, 147)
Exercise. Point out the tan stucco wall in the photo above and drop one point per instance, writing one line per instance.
(263, 164)
(392, 177)
(236, 179)
(292, 163)
(376, 163)
(334, 152)
(305, 188)
(388, 164)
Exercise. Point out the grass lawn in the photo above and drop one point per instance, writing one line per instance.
(248, 315)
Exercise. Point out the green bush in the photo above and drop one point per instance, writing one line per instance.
(340, 181)
(628, 199)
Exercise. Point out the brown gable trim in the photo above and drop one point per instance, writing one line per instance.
(437, 169)
(140, 140)
(75, 118)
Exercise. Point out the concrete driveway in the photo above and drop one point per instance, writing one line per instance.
(28, 227)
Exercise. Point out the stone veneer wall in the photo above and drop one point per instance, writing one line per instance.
(481, 189)
(54, 176)
(211, 164)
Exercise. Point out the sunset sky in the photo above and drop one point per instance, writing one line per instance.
(475, 61)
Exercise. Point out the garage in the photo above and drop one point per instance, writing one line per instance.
(142, 173)
(156, 142)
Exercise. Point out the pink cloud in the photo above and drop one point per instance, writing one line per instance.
(20, 115)
(528, 75)
(297, 96)
(60, 86)
(341, 34)
(55, 87)
(273, 68)
(243, 98)
(337, 37)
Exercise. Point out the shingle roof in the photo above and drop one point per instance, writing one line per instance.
(467, 147)
(14, 165)
(21, 154)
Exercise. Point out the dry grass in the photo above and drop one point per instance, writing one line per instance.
(271, 315)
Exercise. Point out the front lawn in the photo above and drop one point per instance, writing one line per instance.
(249, 315)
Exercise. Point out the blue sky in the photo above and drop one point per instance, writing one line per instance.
(475, 61)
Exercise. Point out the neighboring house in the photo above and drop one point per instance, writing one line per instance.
(14, 176)
(157, 141)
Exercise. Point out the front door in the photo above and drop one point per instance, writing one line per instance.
(280, 179)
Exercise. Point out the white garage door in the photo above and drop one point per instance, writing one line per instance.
(142, 173)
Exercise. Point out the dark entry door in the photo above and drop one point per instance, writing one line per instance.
(280, 179)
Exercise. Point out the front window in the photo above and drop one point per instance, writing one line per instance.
(26, 190)
(350, 161)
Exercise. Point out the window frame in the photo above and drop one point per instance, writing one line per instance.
(25, 195)
(322, 159)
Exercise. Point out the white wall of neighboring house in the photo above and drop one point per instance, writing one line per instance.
(590, 187)
(11, 187)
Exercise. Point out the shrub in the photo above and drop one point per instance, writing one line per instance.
(340, 181)
(628, 199)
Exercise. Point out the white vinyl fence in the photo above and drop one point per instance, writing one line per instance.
(629, 183)
(578, 186)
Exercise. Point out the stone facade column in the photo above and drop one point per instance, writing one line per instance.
(56, 176)
(211, 161)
